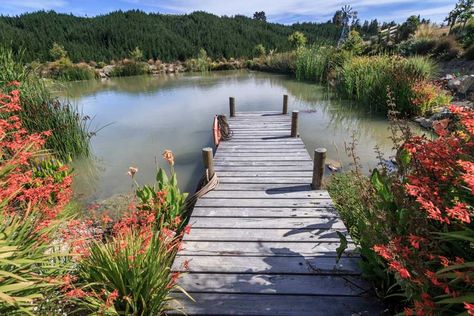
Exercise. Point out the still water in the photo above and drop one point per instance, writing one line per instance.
(146, 115)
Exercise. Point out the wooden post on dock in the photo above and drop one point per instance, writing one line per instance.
(294, 124)
(208, 160)
(232, 106)
(318, 168)
(285, 104)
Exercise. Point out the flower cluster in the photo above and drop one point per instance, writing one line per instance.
(428, 248)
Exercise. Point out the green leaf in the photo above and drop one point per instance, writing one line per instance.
(381, 186)
(342, 247)
(405, 158)
(458, 300)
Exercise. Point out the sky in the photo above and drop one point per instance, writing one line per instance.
(279, 11)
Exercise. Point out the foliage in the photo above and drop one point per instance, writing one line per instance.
(260, 16)
(408, 27)
(64, 70)
(354, 43)
(417, 219)
(41, 112)
(129, 68)
(259, 50)
(34, 198)
(447, 48)
(159, 36)
(313, 63)
(280, 62)
(297, 40)
(469, 53)
(365, 79)
(417, 46)
(136, 54)
(57, 52)
(427, 96)
(130, 272)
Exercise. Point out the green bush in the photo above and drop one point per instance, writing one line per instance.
(65, 70)
(130, 68)
(469, 53)
(417, 46)
(279, 62)
(447, 48)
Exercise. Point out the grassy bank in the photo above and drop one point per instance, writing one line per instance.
(42, 112)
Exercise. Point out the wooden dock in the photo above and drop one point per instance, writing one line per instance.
(263, 242)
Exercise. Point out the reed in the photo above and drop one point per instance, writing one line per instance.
(42, 112)
(313, 63)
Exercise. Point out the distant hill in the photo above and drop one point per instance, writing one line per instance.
(160, 36)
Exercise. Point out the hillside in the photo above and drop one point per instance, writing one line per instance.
(160, 36)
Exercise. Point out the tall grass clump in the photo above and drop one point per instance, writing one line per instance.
(130, 68)
(365, 79)
(313, 63)
(65, 70)
(42, 112)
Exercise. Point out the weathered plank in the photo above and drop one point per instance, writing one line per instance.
(276, 202)
(315, 234)
(263, 212)
(268, 265)
(261, 248)
(264, 237)
(270, 284)
(279, 194)
(278, 305)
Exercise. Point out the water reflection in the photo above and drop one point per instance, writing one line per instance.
(151, 114)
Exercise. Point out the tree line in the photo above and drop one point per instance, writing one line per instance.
(159, 36)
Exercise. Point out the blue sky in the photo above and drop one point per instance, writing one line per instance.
(281, 11)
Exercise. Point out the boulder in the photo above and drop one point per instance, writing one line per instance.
(424, 122)
(466, 84)
(454, 84)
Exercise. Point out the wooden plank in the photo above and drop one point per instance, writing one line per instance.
(255, 234)
(257, 156)
(287, 168)
(268, 180)
(296, 159)
(280, 194)
(268, 265)
(272, 188)
(262, 248)
(285, 223)
(262, 163)
(264, 212)
(279, 174)
(269, 284)
(277, 305)
(264, 202)
(230, 151)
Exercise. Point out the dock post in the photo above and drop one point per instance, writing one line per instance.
(208, 160)
(318, 168)
(285, 104)
(294, 124)
(232, 106)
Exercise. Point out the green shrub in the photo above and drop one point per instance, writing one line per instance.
(41, 112)
(417, 46)
(65, 70)
(130, 68)
(427, 96)
(447, 48)
(279, 62)
(469, 53)
(354, 44)
(259, 50)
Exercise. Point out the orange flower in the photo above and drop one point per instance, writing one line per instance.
(168, 156)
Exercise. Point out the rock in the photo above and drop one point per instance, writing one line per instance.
(448, 77)
(424, 122)
(454, 84)
(444, 114)
(467, 84)
(333, 165)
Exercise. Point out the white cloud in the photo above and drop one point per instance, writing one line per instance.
(278, 8)
(33, 4)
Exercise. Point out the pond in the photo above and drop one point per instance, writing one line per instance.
(145, 115)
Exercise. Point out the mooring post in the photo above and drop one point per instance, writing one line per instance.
(318, 168)
(208, 160)
(294, 124)
(285, 104)
(232, 106)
